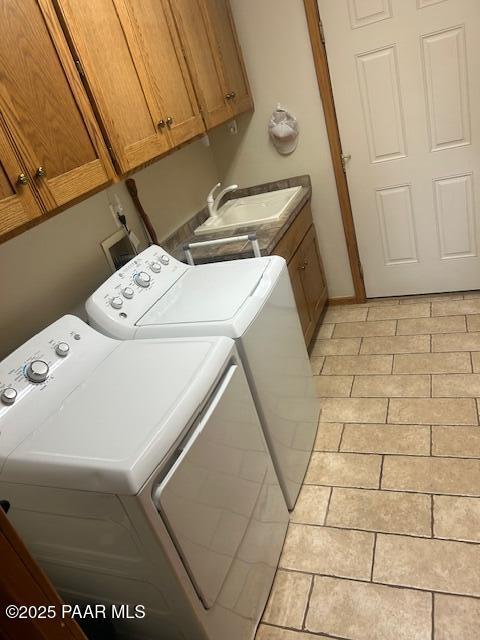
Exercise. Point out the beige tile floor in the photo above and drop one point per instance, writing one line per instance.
(384, 543)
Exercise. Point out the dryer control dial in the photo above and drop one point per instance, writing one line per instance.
(156, 267)
(37, 371)
(128, 293)
(116, 302)
(165, 259)
(142, 279)
(8, 396)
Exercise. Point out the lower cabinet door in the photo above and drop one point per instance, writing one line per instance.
(295, 268)
(313, 276)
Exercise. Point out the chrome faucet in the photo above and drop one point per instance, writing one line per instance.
(213, 201)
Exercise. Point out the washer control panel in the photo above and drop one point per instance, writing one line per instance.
(134, 288)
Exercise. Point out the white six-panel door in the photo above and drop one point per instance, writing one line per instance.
(406, 81)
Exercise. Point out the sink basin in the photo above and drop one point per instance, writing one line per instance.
(251, 210)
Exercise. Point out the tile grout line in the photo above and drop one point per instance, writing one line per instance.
(433, 521)
(380, 477)
(339, 450)
(305, 613)
(433, 615)
(389, 454)
(327, 509)
(432, 516)
(373, 555)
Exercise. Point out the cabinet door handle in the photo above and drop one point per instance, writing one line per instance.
(169, 121)
(233, 95)
(40, 172)
(228, 96)
(22, 179)
(161, 124)
(301, 266)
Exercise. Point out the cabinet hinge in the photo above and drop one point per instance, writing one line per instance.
(79, 66)
(322, 32)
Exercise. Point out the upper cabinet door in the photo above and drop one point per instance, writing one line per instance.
(238, 90)
(50, 122)
(126, 107)
(156, 47)
(17, 202)
(203, 59)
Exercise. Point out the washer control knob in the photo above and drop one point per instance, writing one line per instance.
(9, 395)
(165, 259)
(116, 302)
(128, 293)
(156, 267)
(62, 349)
(37, 371)
(142, 279)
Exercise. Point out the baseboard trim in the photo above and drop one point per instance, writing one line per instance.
(346, 300)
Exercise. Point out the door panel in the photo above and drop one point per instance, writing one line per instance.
(364, 12)
(128, 113)
(159, 49)
(381, 102)
(406, 86)
(447, 88)
(236, 81)
(32, 86)
(17, 203)
(203, 60)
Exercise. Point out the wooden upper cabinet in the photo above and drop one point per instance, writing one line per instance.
(238, 89)
(156, 47)
(213, 54)
(49, 121)
(203, 60)
(18, 205)
(126, 109)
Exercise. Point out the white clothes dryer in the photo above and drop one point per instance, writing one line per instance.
(138, 474)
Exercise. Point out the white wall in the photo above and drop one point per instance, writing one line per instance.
(276, 47)
(53, 267)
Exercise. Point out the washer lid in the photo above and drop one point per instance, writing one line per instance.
(112, 431)
(213, 292)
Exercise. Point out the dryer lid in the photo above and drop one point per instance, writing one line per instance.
(115, 426)
(213, 292)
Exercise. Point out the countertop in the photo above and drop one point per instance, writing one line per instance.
(268, 235)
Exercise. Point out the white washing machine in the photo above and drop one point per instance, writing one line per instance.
(137, 473)
(251, 301)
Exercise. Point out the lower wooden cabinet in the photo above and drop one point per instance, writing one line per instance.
(299, 247)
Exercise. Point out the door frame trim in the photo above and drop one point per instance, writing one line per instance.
(326, 93)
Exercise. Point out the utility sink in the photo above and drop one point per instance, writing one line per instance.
(251, 210)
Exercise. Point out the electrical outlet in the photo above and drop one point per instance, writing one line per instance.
(232, 128)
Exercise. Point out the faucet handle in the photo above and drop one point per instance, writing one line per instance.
(212, 192)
